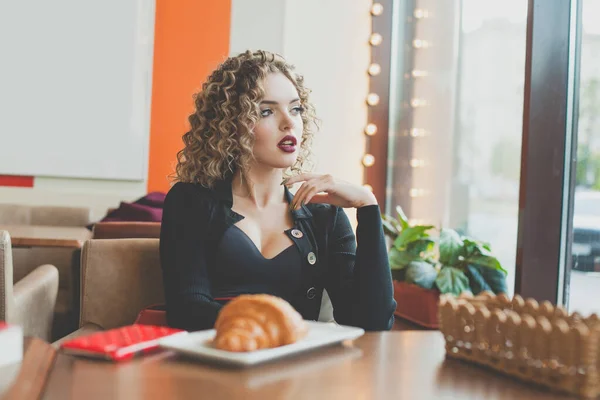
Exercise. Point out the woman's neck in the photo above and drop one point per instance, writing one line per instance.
(262, 187)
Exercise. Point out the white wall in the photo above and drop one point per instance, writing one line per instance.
(327, 41)
(257, 25)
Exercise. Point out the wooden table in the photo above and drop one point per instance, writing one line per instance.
(389, 365)
(47, 236)
(29, 376)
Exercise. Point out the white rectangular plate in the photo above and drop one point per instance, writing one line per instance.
(199, 344)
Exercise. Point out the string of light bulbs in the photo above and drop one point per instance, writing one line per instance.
(373, 99)
(374, 69)
(416, 102)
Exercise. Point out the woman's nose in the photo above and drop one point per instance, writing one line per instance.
(287, 122)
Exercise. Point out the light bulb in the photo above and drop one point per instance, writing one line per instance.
(416, 163)
(420, 44)
(416, 192)
(372, 99)
(371, 129)
(418, 103)
(374, 69)
(417, 132)
(368, 160)
(376, 9)
(421, 13)
(417, 73)
(375, 39)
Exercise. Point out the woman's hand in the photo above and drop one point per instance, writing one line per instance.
(325, 189)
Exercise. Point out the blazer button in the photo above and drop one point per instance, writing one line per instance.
(311, 293)
(297, 234)
(312, 259)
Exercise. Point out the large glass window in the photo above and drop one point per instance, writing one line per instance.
(458, 108)
(585, 270)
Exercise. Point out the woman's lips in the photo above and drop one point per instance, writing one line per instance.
(288, 144)
(288, 148)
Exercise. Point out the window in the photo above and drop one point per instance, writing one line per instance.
(456, 117)
(585, 269)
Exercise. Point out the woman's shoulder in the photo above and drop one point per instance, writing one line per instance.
(184, 192)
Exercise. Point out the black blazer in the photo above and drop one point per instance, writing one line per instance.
(357, 279)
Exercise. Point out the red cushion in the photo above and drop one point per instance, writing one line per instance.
(135, 212)
(152, 315)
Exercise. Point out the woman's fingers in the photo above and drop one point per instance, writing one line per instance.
(299, 178)
(310, 187)
(310, 195)
(325, 189)
(313, 184)
(296, 197)
(300, 195)
(321, 198)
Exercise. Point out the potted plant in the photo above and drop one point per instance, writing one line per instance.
(423, 267)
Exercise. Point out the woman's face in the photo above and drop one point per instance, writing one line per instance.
(278, 133)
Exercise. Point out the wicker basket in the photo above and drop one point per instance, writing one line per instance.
(534, 342)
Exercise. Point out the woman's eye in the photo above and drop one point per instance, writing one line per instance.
(298, 110)
(266, 112)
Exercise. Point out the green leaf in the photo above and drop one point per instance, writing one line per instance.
(402, 218)
(486, 261)
(420, 246)
(476, 280)
(473, 246)
(452, 280)
(421, 273)
(411, 234)
(400, 259)
(389, 229)
(483, 278)
(451, 247)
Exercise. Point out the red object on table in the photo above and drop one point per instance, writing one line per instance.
(416, 304)
(120, 343)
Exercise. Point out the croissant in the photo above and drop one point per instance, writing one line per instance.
(258, 321)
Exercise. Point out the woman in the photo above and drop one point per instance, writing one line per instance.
(231, 226)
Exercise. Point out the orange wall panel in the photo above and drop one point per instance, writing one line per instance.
(191, 38)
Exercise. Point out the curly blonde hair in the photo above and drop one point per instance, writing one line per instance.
(220, 140)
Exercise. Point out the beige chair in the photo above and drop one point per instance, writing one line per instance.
(19, 214)
(29, 301)
(119, 277)
(25, 260)
(126, 229)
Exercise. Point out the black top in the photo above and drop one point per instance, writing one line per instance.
(357, 278)
(240, 268)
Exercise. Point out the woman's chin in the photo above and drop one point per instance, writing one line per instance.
(285, 165)
(285, 162)
(278, 161)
